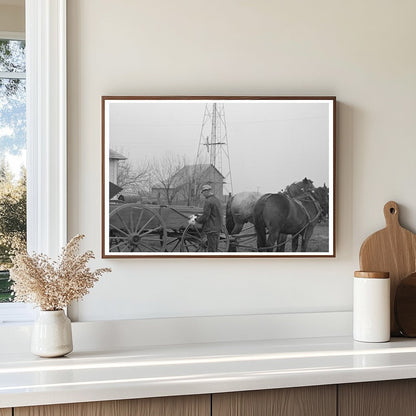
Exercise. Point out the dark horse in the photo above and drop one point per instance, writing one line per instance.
(281, 215)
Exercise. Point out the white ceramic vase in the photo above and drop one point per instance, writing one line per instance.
(52, 334)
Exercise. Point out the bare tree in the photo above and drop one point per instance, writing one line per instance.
(165, 172)
(133, 177)
(192, 181)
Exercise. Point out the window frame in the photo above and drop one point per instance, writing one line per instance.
(14, 312)
(46, 113)
(12, 35)
(46, 125)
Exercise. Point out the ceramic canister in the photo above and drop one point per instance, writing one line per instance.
(371, 306)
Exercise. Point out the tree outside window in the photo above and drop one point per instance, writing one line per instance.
(12, 156)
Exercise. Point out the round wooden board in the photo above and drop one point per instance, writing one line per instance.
(405, 306)
(392, 250)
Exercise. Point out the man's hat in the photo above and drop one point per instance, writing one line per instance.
(206, 188)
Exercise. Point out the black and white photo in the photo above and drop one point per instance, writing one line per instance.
(218, 176)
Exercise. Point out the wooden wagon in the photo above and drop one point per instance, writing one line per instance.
(136, 227)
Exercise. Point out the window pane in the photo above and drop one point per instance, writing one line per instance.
(12, 159)
(5, 292)
(12, 117)
(12, 56)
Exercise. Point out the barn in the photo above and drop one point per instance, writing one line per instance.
(184, 187)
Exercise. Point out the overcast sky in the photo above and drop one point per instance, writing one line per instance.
(271, 144)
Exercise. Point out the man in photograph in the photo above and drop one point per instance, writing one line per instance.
(211, 218)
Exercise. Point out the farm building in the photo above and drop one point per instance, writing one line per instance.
(115, 158)
(184, 187)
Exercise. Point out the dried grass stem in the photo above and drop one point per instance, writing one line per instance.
(53, 285)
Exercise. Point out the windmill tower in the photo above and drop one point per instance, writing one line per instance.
(213, 147)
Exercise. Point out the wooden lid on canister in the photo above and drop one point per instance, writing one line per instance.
(372, 275)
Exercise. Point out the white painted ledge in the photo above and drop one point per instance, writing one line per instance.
(152, 371)
(18, 313)
(188, 330)
(173, 356)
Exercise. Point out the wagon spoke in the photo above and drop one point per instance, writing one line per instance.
(175, 241)
(198, 232)
(144, 226)
(126, 247)
(122, 220)
(140, 229)
(138, 221)
(155, 239)
(113, 227)
(153, 230)
(198, 248)
(118, 246)
(187, 248)
(131, 221)
(189, 243)
(192, 240)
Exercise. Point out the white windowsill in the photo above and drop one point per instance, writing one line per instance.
(12, 35)
(161, 357)
(16, 313)
(93, 336)
(154, 371)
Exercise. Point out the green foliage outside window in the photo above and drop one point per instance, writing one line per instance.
(12, 146)
(12, 224)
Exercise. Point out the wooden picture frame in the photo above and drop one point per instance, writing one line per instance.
(267, 165)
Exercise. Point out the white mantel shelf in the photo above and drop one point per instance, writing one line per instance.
(148, 371)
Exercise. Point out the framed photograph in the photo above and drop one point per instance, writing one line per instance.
(218, 177)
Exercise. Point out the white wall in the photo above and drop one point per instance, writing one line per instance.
(361, 51)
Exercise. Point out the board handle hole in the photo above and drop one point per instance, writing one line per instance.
(392, 211)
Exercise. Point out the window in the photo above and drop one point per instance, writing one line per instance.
(12, 154)
(46, 135)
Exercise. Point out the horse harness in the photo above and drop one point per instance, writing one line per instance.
(308, 215)
(298, 201)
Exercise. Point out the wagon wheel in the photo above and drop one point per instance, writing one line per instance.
(195, 241)
(134, 228)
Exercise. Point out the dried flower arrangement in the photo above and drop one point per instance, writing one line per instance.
(52, 285)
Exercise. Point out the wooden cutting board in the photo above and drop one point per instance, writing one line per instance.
(393, 250)
(405, 306)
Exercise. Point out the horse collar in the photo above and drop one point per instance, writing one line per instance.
(315, 202)
(299, 202)
(317, 205)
